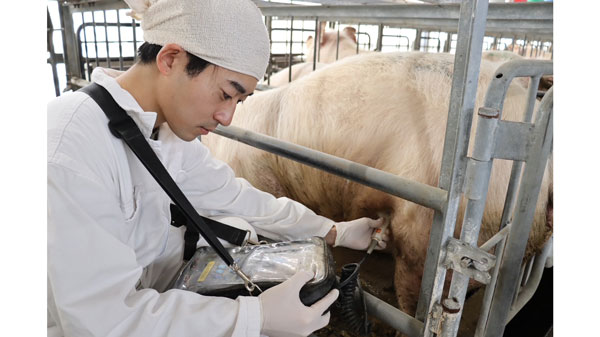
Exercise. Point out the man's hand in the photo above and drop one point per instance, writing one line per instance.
(284, 315)
(356, 234)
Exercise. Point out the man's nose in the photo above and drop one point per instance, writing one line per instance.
(225, 115)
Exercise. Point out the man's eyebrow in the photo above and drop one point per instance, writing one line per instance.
(238, 87)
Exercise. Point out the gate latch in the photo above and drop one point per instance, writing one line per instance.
(469, 261)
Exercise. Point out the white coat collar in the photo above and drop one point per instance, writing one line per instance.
(144, 119)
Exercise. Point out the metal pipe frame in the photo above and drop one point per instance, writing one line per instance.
(502, 17)
(416, 192)
(534, 280)
(478, 175)
(291, 49)
(507, 283)
(52, 58)
(460, 114)
(392, 316)
(119, 41)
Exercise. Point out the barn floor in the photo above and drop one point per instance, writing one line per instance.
(376, 275)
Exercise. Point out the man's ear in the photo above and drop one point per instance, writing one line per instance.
(169, 57)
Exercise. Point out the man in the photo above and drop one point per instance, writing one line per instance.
(111, 249)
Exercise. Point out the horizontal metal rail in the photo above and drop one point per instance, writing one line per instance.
(392, 316)
(531, 18)
(416, 192)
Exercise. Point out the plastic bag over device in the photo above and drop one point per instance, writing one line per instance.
(267, 265)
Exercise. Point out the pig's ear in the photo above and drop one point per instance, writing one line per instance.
(350, 32)
(324, 37)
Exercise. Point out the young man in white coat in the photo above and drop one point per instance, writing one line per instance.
(111, 248)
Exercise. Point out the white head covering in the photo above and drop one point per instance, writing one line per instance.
(227, 33)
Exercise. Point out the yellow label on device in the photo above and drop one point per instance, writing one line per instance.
(206, 271)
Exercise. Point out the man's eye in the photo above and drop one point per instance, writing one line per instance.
(240, 101)
(225, 96)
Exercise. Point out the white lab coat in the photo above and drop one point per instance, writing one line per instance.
(111, 249)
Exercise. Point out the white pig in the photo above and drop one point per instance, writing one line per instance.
(384, 110)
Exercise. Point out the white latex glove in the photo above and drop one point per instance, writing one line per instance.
(284, 315)
(356, 234)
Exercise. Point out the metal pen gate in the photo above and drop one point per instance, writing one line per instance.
(502, 271)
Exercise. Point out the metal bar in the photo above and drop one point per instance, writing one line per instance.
(50, 47)
(70, 46)
(533, 28)
(462, 100)
(79, 41)
(530, 263)
(393, 317)
(119, 38)
(520, 278)
(358, 33)
(269, 25)
(502, 18)
(87, 62)
(451, 318)
(489, 244)
(83, 6)
(416, 192)
(106, 36)
(357, 39)
(506, 72)
(379, 37)
(417, 43)
(507, 11)
(95, 38)
(134, 27)
(337, 45)
(291, 50)
(534, 280)
(476, 194)
(517, 238)
(489, 289)
(316, 43)
(448, 42)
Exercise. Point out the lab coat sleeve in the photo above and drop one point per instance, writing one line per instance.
(92, 275)
(213, 189)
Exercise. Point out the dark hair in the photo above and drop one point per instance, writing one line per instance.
(147, 53)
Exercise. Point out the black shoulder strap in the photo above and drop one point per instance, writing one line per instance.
(122, 126)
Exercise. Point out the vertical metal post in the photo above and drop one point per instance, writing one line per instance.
(448, 42)
(379, 38)
(358, 38)
(480, 167)
(106, 35)
(489, 291)
(70, 45)
(291, 45)
(134, 27)
(269, 24)
(87, 62)
(316, 43)
(507, 282)
(417, 43)
(50, 45)
(119, 38)
(337, 45)
(471, 29)
(95, 38)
